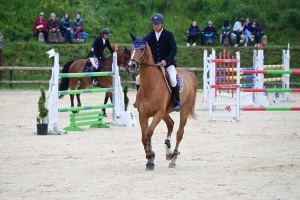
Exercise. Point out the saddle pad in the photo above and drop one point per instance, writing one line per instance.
(179, 82)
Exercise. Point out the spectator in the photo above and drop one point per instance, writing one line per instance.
(78, 26)
(226, 32)
(238, 30)
(209, 33)
(41, 25)
(54, 27)
(248, 30)
(193, 33)
(66, 27)
(258, 31)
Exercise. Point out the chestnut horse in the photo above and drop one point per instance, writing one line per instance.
(154, 99)
(77, 66)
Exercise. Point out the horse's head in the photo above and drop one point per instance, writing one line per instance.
(138, 52)
(123, 58)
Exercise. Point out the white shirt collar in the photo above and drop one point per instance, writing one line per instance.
(157, 34)
(103, 40)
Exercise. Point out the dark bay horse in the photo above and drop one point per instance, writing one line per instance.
(153, 99)
(77, 66)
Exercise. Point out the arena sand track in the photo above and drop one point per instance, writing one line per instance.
(257, 158)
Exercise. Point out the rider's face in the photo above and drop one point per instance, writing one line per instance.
(105, 36)
(157, 26)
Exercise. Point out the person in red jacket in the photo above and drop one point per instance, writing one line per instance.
(41, 25)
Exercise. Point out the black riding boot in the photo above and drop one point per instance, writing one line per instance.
(93, 79)
(177, 105)
(137, 89)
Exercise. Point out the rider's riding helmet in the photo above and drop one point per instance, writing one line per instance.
(105, 31)
(157, 18)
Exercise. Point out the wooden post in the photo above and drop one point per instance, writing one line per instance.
(0, 64)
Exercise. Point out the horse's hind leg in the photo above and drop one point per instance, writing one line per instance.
(183, 119)
(170, 124)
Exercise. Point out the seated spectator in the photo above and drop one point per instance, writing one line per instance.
(66, 27)
(193, 34)
(238, 30)
(78, 26)
(209, 33)
(248, 31)
(54, 27)
(258, 31)
(226, 32)
(41, 25)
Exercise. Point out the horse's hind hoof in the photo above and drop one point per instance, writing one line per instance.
(150, 166)
(105, 115)
(172, 165)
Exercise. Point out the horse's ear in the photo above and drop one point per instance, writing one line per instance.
(132, 36)
(146, 38)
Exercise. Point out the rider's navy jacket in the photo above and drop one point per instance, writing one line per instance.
(98, 48)
(163, 49)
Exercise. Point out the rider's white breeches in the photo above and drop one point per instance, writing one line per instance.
(93, 62)
(172, 73)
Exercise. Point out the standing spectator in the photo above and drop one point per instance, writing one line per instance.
(66, 27)
(78, 26)
(41, 25)
(193, 33)
(209, 33)
(258, 31)
(248, 30)
(226, 32)
(238, 30)
(54, 27)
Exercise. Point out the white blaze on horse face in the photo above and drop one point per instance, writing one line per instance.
(131, 58)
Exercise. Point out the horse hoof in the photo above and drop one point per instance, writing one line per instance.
(172, 165)
(105, 115)
(150, 166)
(168, 156)
(75, 112)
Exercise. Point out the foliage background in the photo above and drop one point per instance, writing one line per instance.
(280, 19)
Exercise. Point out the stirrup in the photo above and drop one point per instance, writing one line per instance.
(177, 106)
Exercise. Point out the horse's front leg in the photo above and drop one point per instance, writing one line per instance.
(107, 95)
(150, 155)
(72, 102)
(78, 100)
(170, 124)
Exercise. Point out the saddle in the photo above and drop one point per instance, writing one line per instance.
(88, 65)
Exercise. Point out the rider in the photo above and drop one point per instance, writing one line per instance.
(164, 49)
(97, 50)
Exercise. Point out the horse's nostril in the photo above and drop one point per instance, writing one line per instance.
(133, 66)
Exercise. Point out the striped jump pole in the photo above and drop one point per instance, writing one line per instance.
(64, 92)
(271, 109)
(252, 68)
(86, 107)
(294, 72)
(271, 90)
(86, 74)
(234, 77)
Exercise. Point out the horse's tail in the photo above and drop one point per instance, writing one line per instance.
(65, 82)
(192, 112)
